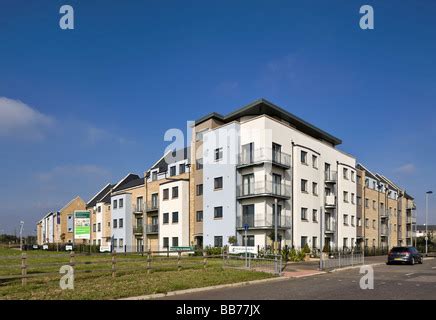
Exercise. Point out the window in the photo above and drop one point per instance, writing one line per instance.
(345, 196)
(94, 227)
(199, 164)
(166, 194)
(218, 241)
(115, 205)
(218, 154)
(345, 219)
(276, 153)
(314, 242)
(199, 135)
(303, 185)
(352, 198)
(199, 216)
(303, 157)
(366, 223)
(247, 155)
(154, 176)
(352, 221)
(109, 224)
(115, 223)
(304, 214)
(175, 217)
(199, 189)
(249, 240)
(172, 171)
(345, 242)
(248, 215)
(120, 223)
(121, 242)
(359, 222)
(315, 161)
(154, 200)
(359, 201)
(175, 242)
(218, 183)
(359, 179)
(121, 203)
(346, 173)
(315, 188)
(374, 204)
(315, 215)
(303, 241)
(175, 192)
(115, 242)
(166, 242)
(182, 168)
(165, 218)
(366, 202)
(99, 209)
(373, 224)
(352, 175)
(218, 212)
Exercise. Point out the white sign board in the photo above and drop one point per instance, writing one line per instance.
(45, 247)
(105, 248)
(241, 249)
(68, 247)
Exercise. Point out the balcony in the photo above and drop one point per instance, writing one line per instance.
(138, 230)
(152, 206)
(384, 231)
(152, 228)
(330, 176)
(384, 213)
(138, 209)
(330, 226)
(330, 201)
(262, 155)
(410, 219)
(263, 189)
(284, 222)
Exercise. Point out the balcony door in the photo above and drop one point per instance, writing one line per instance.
(247, 184)
(248, 215)
(277, 184)
(248, 153)
(279, 213)
(154, 200)
(154, 220)
(139, 222)
(276, 152)
(139, 202)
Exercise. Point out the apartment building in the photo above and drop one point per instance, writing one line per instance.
(385, 211)
(261, 158)
(99, 206)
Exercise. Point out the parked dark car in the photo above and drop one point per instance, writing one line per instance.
(408, 255)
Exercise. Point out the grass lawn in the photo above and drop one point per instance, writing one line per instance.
(100, 285)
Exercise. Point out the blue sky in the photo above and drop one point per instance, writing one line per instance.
(80, 108)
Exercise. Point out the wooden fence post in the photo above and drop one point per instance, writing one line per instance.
(204, 259)
(114, 253)
(23, 269)
(149, 261)
(179, 261)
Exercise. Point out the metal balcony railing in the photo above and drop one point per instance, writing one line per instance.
(330, 200)
(263, 188)
(138, 208)
(152, 206)
(138, 230)
(265, 155)
(152, 228)
(267, 222)
(330, 176)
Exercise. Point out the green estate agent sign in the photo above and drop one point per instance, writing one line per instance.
(82, 225)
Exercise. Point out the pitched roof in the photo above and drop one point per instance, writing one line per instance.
(99, 195)
(132, 184)
(263, 106)
(171, 157)
(71, 201)
(127, 179)
(367, 172)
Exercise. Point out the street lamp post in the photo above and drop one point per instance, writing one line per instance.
(21, 235)
(426, 221)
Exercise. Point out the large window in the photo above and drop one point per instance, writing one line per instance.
(199, 189)
(121, 203)
(345, 219)
(249, 240)
(99, 227)
(175, 242)
(172, 171)
(304, 214)
(304, 157)
(303, 185)
(218, 241)
(154, 176)
(247, 155)
(345, 173)
(166, 242)
(115, 223)
(345, 196)
(218, 183)
(218, 155)
(182, 168)
(166, 194)
(315, 161)
(303, 241)
(175, 192)
(175, 217)
(315, 188)
(276, 153)
(115, 205)
(248, 215)
(121, 223)
(199, 216)
(218, 212)
(165, 217)
(199, 164)
(248, 184)
(315, 215)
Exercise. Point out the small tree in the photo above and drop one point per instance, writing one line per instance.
(326, 248)
(232, 240)
(306, 248)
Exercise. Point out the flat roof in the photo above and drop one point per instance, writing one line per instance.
(263, 106)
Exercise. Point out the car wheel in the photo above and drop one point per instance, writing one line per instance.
(421, 260)
(412, 262)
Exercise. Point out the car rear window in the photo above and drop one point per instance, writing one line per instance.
(399, 249)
